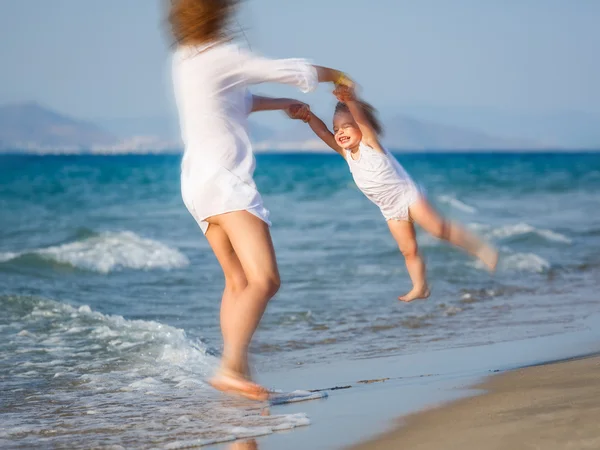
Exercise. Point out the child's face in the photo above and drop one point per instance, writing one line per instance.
(346, 131)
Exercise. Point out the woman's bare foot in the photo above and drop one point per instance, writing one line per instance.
(233, 383)
(489, 257)
(415, 293)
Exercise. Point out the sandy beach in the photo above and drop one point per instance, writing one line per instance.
(538, 392)
(552, 406)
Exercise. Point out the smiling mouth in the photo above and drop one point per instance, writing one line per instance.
(344, 139)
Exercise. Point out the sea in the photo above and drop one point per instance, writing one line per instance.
(109, 293)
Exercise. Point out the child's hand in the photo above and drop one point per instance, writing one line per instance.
(344, 94)
(299, 111)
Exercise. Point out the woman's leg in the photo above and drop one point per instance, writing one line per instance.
(426, 217)
(250, 239)
(235, 278)
(404, 233)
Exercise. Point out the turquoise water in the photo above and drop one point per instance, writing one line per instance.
(110, 294)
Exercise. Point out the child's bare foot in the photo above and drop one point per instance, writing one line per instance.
(489, 257)
(230, 382)
(415, 293)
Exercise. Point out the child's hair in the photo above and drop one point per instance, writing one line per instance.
(370, 113)
(200, 21)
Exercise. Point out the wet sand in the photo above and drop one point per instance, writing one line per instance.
(552, 406)
(466, 397)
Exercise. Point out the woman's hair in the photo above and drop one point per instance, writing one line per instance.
(370, 113)
(200, 21)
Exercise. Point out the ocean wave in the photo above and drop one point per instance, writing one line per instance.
(7, 256)
(521, 262)
(517, 230)
(452, 311)
(61, 327)
(457, 204)
(528, 262)
(292, 421)
(109, 366)
(107, 252)
(503, 233)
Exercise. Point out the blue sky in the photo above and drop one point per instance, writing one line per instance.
(109, 59)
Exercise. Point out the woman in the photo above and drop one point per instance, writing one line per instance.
(211, 76)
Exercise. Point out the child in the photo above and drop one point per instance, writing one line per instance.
(211, 76)
(384, 181)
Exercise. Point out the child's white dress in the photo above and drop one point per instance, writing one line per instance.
(383, 181)
(213, 102)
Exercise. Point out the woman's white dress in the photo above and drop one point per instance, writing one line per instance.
(211, 90)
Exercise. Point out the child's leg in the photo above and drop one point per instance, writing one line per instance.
(426, 217)
(250, 240)
(404, 233)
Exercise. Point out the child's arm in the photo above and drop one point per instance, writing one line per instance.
(321, 130)
(316, 125)
(347, 95)
(260, 103)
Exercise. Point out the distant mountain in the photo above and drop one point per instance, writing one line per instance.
(568, 129)
(161, 127)
(165, 128)
(412, 134)
(404, 133)
(260, 133)
(31, 126)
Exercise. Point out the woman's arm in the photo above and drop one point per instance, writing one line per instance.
(253, 69)
(260, 103)
(369, 135)
(327, 75)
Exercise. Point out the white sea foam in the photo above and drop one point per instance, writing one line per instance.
(505, 232)
(519, 229)
(452, 311)
(521, 262)
(528, 262)
(292, 421)
(110, 251)
(457, 204)
(7, 256)
(554, 236)
(106, 366)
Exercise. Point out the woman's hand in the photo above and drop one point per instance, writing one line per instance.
(299, 111)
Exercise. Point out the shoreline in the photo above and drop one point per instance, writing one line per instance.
(360, 416)
(552, 405)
